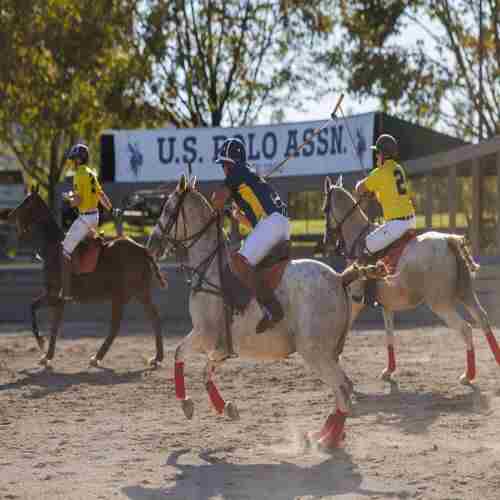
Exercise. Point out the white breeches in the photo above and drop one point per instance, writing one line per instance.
(387, 233)
(267, 233)
(80, 228)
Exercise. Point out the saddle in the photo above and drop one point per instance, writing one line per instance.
(86, 254)
(391, 254)
(269, 273)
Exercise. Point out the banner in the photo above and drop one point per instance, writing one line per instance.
(162, 155)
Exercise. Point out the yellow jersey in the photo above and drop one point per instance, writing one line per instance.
(86, 185)
(390, 186)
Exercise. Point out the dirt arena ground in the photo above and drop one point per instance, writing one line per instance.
(118, 433)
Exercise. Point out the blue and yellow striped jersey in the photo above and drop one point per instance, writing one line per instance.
(254, 196)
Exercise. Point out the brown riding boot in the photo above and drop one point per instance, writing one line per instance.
(66, 272)
(245, 272)
(273, 313)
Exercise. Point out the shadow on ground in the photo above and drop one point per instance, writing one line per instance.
(44, 382)
(414, 412)
(217, 477)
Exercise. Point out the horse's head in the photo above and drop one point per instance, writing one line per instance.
(184, 212)
(30, 212)
(339, 205)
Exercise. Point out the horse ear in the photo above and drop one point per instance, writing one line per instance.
(327, 184)
(181, 187)
(37, 188)
(192, 183)
(339, 182)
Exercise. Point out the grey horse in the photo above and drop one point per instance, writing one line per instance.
(316, 305)
(434, 268)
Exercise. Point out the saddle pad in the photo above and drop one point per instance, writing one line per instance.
(270, 277)
(86, 255)
(279, 252)
(391, 258)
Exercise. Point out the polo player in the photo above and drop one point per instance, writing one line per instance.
(86, 195)
(260, 207)
(388, 183)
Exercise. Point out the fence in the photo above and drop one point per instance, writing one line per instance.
(20, 285)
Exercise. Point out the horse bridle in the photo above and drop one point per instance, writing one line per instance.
(340, 248)
(182, 245)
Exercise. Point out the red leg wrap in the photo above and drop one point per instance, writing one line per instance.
(215, 397)
(492, 341)
(335, 434)
(329, 422)
(391, 363)
(180, 389)
(471, 364)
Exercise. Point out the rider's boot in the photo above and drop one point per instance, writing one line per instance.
(66, 272)
(271, 307)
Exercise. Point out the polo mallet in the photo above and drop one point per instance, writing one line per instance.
(352, 139)
(316, 131)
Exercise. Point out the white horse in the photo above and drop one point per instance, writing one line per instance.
(313, 296)
(434, 268)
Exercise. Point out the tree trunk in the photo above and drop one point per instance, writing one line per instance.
(54, 171)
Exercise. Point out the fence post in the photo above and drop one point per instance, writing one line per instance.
(452, 197)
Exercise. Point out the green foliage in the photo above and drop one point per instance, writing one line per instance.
(69, 68)
(218, 62)
(435, 81)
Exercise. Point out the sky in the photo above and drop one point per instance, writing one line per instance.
(321, 109)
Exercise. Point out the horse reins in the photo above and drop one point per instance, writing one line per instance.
(186, 243)
(339, 224)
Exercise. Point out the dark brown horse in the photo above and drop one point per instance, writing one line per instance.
(124, 271)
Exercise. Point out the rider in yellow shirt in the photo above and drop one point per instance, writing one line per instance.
(86, 195)
(388, 183)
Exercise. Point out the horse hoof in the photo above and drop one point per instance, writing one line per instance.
(94, 362)
(153, 363)
(44, 362)
(188, 408)
(386, 375)
(465, 380)
(231, 411)
(331, 445)
(310, 439)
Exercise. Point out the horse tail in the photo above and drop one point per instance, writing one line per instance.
(467, 267)
(156, 270)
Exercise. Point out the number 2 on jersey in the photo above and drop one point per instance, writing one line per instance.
(400, 181)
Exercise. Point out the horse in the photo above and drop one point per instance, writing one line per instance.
(313, 296)
(433, 268)
(123, 270)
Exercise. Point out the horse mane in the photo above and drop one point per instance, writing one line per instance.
(202, 197)
(206, 204)
(348, 196)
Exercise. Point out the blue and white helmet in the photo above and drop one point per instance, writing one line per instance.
(79, 152)
(232, 151)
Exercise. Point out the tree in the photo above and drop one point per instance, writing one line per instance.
(440, 82)
(218, 62)
(69, 68)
